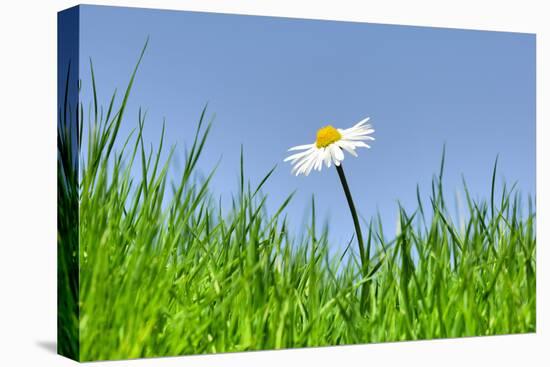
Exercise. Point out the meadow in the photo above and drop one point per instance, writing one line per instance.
(155, 267)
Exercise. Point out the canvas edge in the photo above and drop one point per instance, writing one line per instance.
(68, 149)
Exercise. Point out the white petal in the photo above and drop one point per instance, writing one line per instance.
(319, 161)
(362, 122)
(347, 147)
(356, 137)
(311, 165)
(337, 161)
(304, 169)
(338, 152)
(335, 154)
(295, 157)
(356, 133)
(326, 158)
(360, 144)
(301, 147)
(332, 157)
(299, 165)
(303, 164)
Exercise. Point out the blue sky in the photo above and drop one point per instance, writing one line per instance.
(272, 82)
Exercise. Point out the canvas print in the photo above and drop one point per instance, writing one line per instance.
(231, 183)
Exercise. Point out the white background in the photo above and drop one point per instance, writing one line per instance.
(28, 182)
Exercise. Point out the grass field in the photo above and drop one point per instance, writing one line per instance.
(164, 270)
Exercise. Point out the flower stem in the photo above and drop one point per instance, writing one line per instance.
(362, 253)
(344, 182)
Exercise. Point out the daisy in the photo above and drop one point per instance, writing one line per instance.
(329, 147)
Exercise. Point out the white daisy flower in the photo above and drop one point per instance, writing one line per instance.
(329, 147)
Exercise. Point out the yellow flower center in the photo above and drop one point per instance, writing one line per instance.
(326, 136)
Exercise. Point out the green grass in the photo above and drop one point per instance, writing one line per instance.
(164, 270)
